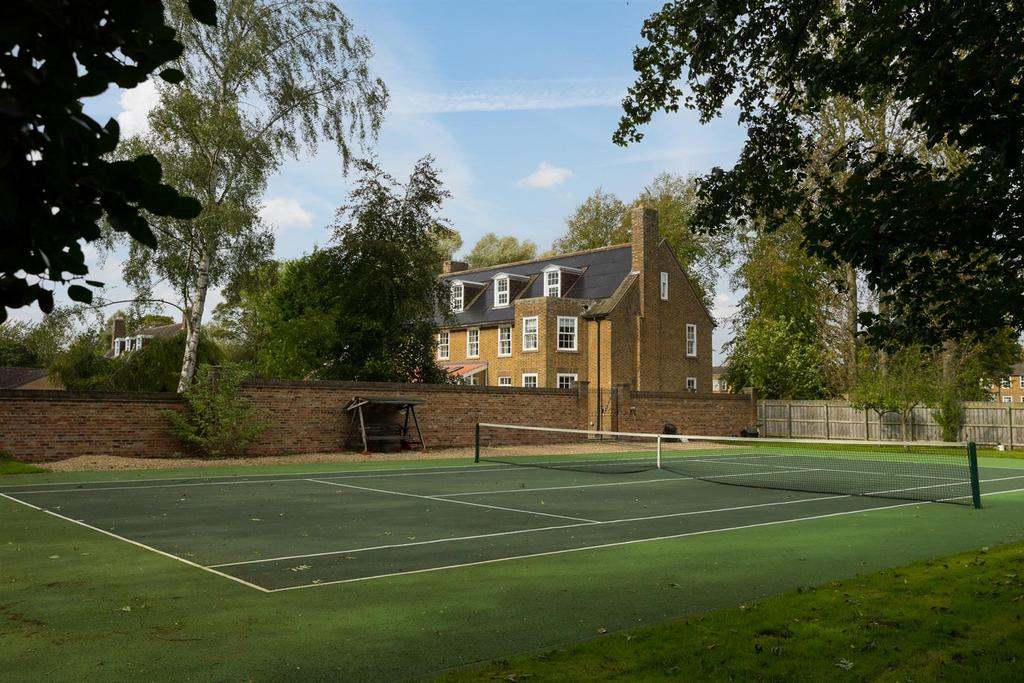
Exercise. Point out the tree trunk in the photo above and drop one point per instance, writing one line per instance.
(193, 324)
(852, 311)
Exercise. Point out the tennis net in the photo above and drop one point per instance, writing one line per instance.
(938, 472)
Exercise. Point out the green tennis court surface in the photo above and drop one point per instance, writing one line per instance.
(306, 530)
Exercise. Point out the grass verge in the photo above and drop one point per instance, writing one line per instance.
(954, 618)
(10, 466)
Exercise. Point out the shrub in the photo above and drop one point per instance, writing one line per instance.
(219, 422)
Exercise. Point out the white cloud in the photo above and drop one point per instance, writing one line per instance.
(135, 107)
(724, 307)
(510, 96)
(284, 213)
(546, 175)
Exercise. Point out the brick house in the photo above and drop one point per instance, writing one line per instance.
(1010, 389)
(121, 342)
(620, 315)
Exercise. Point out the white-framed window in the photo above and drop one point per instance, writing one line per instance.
(443, 345)
(664, 286)
(566, 333)
(1007, 399)
(1022, 399)
(531, 333)
(472, 343)
(1022, 381)
(566, 380)
(471, 381)
(691, 341)
(691, 384)
(530, 380)
(501, 292)
(458, 297)
(553, 283)
(1006, 383)
(505, 381)
(504, 341)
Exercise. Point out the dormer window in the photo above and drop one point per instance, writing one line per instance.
(500, 292)
(553, 283)
(458, 297)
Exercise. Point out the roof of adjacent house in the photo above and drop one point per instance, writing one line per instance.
(164, 331)
(1017, 369)
(12, 378)
(719, 369)
(604, 269)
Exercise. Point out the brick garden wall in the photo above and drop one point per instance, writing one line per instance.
(309, 417)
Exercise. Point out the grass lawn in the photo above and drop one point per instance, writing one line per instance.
(77, 604)
(954, 618)
(9, 466)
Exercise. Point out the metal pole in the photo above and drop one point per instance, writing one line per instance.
(659, 452)
(972, 459)
(1009, 421)
(828, 430)
(476, 458)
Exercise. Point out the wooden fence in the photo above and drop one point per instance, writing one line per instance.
(984, 422)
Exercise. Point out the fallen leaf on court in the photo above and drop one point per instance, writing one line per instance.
(126, 608)
(844, 664)
(255, 519)
(299, 568)
(54, 557)
(602, 630)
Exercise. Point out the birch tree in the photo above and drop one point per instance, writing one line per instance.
(271, 80)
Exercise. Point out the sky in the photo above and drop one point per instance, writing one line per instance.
(517, 102)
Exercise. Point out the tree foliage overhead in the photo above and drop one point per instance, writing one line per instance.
(271, 80)
(940, 241)
(490, 250)
(56, 181)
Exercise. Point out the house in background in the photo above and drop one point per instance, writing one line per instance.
(1010, 389)
(624, 314)
(121, 342)
(718, 383)
(28, 378)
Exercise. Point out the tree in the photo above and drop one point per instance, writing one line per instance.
(938, 240)
(599, 221)
(778, 359)
(490, 250)
(896, 382)
(269, 81)
(34, 345)
(363, 308)
(56, 181)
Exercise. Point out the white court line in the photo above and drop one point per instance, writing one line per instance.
(446, 500)
(589, 547)
(616, 544)
(525, 531)
(732, 461)
(140, 545)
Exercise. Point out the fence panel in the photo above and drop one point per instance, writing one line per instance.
(984, 422)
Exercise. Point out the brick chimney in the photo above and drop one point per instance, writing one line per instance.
(454, 267)
(117, 330)
(645, 238)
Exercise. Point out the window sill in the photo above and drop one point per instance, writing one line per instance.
(530, 351)
(567, 350)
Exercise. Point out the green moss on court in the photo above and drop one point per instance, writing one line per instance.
(955, 618)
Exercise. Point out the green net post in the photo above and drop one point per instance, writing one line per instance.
(972, 459)
(476, 443)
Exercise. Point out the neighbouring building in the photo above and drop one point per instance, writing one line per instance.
(1010, 389)
(619, 315)
(718, 383)
(121, 342)
(28, 378)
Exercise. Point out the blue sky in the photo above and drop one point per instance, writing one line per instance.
(517, 102)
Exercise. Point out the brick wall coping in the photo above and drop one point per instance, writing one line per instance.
(55, 395)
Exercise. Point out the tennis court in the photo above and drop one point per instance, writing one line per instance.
(287, 532)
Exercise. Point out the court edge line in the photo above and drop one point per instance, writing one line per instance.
(349, 474)
(141, 545)
(691, 513)
(592, 547)
(613, 545)
(456, 502)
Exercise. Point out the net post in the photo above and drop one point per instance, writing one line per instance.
(659, 451)
(476, 444)
(972, 459)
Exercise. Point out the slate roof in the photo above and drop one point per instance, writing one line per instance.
(12, 378)
(604, 270)
(164, 331)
